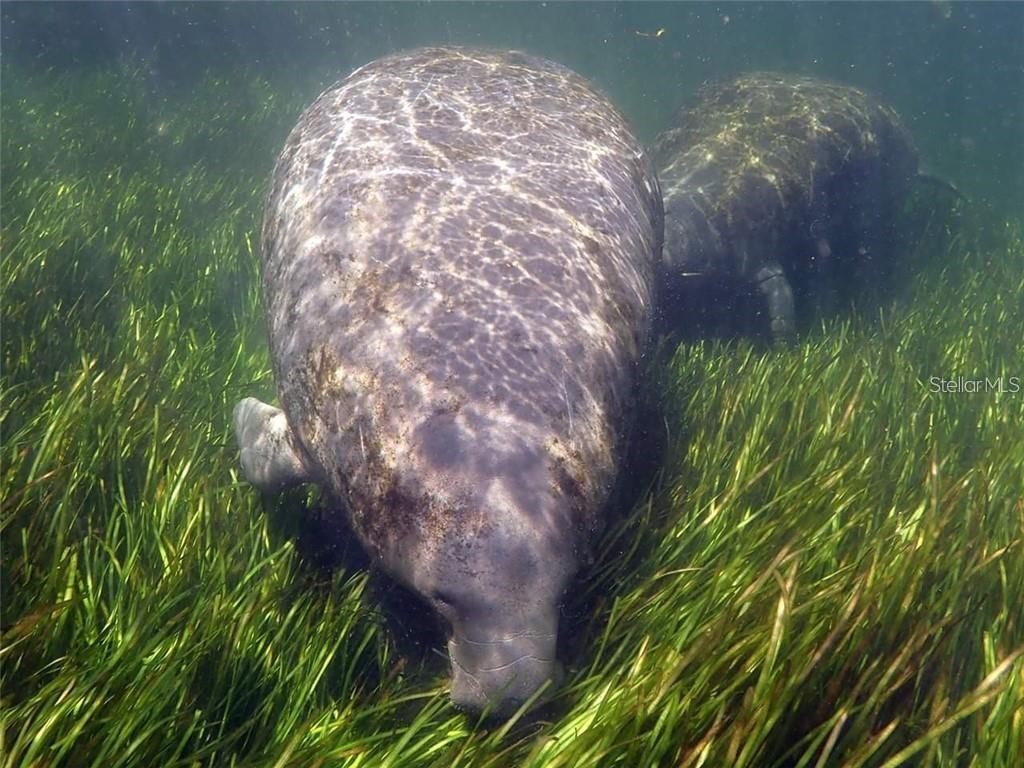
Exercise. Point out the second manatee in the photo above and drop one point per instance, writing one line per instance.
(778, 182)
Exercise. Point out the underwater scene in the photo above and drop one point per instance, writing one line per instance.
(512, 384)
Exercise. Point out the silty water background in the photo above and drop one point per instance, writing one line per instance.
(954, 71)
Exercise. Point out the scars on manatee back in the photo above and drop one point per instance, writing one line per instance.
(457, 262)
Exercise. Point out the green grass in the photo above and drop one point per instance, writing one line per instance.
(829, 570)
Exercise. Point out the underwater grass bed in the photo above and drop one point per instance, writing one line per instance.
(828, 571)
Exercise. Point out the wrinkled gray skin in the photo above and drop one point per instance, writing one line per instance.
(458, 257)
(772, 181)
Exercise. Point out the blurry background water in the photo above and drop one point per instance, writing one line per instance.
(954, 71)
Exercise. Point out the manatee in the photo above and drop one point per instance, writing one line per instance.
(458, 259)
(773, 182)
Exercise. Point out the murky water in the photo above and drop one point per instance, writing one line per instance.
(954, 71)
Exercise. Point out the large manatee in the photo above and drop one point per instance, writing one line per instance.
(458, 256)
(779, 181)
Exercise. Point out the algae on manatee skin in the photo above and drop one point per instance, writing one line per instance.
(828, 570)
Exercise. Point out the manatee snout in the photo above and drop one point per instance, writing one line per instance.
(499, 594)
(497, 672)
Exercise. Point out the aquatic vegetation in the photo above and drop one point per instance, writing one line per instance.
(827, 570)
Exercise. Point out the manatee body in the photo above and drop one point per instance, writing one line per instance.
(459, 249)
(773, 182)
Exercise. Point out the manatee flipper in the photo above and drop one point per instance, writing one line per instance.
(270, 460)
(772, 284)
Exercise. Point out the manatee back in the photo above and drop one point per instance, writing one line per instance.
(761, 158)
(458, 252)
